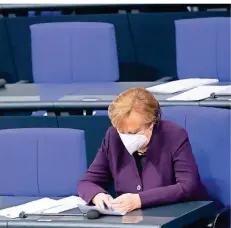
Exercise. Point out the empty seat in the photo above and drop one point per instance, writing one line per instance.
(203, 48)
(223, 50)
(41, 161)
(74, 52)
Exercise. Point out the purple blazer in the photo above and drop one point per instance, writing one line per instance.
(169, 174)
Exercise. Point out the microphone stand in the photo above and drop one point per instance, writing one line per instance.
(92, 214)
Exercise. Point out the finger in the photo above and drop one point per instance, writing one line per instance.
(107, 202)
(110, 199)
(101, 205)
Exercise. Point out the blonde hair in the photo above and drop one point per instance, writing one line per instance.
(139, 100)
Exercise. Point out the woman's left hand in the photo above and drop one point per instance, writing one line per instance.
(126, 203)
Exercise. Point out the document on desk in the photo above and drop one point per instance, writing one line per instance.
(85, 208)
(65, 204)
(31, 207)
(181, 85)
(43, 206)
(225, 92)
(197, 94)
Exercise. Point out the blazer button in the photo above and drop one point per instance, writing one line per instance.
(138, 187)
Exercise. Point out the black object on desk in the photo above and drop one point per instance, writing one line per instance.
(92, 214)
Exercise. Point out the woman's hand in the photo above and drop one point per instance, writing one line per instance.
(126, 203)
(102, 200)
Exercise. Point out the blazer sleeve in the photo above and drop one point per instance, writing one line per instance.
(98, 174)
(186, 174)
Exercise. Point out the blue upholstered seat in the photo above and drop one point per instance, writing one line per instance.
(209, 134)
(74, 52)
(223, 50)
(41, 161)
(203, 48)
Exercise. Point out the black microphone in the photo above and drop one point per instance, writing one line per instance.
(213, 95)
(91, 214)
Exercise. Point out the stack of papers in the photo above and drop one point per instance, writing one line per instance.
(44, 205)
(65, 204)
(181, 85)
(199, 93)
(31, 207)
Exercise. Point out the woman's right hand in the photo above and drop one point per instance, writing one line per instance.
(102, 200)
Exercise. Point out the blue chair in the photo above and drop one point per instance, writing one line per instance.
(209, 133)
(203, 48)
(223, 50)
(69, 52)
(41, 161)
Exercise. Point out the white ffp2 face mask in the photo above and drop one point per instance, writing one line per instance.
(133, 142)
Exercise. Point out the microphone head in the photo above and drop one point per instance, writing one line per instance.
(93, 214)
(213, 95)
(22, 214)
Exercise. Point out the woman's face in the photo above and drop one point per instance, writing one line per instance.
(135, 124)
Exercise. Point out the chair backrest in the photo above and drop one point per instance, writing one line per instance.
(41, 161)
(203, 48)
(209, 134)
(224, 50)
(19, 37)
(74, 52)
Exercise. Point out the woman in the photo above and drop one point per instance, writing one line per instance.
(149, 160)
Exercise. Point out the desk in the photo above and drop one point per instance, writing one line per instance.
(175, 215)
(92, 96)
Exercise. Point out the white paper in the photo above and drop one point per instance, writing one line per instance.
(30, 207)
(226, 91)
(90, 99)
(65, 204)
(84, 209)
(197, 94)
(181, 85)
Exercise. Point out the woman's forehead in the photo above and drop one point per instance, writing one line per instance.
(134, 122)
